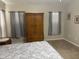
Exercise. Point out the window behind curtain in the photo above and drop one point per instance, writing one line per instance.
(54, 23)
(3, 29)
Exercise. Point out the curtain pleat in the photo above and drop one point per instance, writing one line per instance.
(13, 31)
(21, 18)
(59, 22)
(50, 24)
(17, 25)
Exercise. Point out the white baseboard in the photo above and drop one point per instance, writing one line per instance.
(72, 42)
(53, 39)
(63, 39)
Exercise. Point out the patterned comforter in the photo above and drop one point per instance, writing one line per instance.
(34, 50)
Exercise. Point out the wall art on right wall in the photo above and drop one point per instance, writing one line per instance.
(76, 20)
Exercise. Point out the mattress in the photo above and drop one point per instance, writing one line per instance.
(34, 50)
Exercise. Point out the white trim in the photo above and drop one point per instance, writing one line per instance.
(53, 39)
(72, 42)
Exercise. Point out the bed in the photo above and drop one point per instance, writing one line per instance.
(34, 50)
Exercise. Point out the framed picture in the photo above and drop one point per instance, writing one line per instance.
(76, 20)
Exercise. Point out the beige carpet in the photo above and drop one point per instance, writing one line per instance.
(66, 49)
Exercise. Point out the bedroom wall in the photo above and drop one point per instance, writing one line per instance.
(72, 29)
(37, 8)
(2, 5)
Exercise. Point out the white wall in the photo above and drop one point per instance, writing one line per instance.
(72, 29)
(2, 5)
(43, 8)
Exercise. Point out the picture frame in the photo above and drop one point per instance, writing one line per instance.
(76, 20)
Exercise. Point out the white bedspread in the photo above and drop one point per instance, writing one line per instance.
(35, 50)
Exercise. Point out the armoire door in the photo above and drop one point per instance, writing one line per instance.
(34, 27)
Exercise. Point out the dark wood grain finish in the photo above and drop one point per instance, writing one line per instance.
(34, 27)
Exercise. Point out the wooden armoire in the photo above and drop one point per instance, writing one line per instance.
(33, 24)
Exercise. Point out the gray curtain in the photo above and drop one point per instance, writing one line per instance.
(3, 25)
(54, 23)
(17, 23)
(50, 24)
